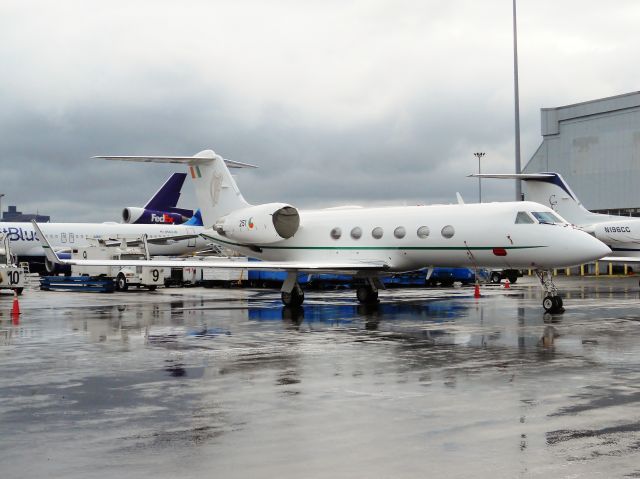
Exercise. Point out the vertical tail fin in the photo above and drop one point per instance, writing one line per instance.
(168, 195)
(551, 190)
(216, 190)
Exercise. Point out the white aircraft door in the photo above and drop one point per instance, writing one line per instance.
(63, 237)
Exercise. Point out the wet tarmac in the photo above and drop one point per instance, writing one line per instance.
(226, 383)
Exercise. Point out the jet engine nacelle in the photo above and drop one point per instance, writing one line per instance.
(261, 224)
(132, 214)
(55, 268)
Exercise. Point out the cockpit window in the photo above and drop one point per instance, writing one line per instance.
(523, 218)
(546, 217)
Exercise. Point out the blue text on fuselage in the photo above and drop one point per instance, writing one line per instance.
(19, 234)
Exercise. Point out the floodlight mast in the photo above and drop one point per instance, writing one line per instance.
(516, 94)
(479, 156)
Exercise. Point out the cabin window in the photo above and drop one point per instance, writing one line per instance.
(448, 231)
(377, 232)
(399, 232)
(356, 232)
(546, 217)
(423, 232)
(336, 233)
(523, 218)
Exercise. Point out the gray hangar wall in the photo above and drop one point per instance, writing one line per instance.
(595, 145)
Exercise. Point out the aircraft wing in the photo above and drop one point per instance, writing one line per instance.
(621, 259)
(513, 176)
(344, 267)
(159, 241)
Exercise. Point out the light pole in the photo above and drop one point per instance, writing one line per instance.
(479, 155)
(516, 96)
(1, 195)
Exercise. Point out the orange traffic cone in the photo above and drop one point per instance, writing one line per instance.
(507, 285)
(15, 310)
(476, 293)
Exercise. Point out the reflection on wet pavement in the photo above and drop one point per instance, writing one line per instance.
(228, 383)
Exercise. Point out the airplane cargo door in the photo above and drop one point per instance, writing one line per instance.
(191, 242)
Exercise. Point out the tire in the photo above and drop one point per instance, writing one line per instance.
(558, 302)
(495, 277)
(513, 278)
(548, 303)
(366, 295)
(153, 287)
(292, 299)
(121, 283)
(18, 291)
(447, 283)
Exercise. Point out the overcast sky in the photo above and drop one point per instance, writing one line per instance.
(357, 102)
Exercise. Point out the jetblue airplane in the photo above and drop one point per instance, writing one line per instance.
(162, 207)
(164, 240)
(371, 242)
(620, 233)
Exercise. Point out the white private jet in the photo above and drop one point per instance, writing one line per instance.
(620, 233)
(370, 242)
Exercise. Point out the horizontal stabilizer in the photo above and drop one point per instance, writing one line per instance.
(514, 176)
(201, 158)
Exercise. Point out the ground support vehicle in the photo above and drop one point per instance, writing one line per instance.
(512, 275)
(11, 275)
(149, 277)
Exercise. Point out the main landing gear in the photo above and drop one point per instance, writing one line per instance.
(552, 302)
(367, 292)
(292, 295)
(291, 292)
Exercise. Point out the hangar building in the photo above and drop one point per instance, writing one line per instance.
(595, 146)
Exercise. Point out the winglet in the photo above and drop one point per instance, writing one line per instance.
(46, 246)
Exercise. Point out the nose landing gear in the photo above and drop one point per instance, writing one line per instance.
(552, 302)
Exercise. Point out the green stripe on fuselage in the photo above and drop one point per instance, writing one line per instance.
(379, 248)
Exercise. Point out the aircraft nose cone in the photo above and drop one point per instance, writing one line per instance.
(595, 248)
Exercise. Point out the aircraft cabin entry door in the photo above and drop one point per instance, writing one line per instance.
(191, 242)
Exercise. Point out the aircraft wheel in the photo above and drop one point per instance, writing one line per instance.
(294, 298)
(153, 287)
(366, 295)
(121, 283)
(18, 291)
(513, 278)
(548, 303)
(553, 304)
(495, 277)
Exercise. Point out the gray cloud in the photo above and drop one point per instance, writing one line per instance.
(338, 102)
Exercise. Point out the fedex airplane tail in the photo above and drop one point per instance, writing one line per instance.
(550, 189)
(216, 190)
(168, 195)
(161, 208)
